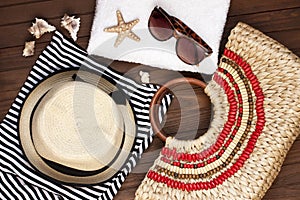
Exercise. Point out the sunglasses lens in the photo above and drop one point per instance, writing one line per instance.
(189, 52)
(159, 26)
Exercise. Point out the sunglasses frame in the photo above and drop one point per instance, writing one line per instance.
(180, 29)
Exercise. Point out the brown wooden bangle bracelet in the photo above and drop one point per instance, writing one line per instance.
(155, 102)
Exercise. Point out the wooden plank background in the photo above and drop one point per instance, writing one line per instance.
(279, 19)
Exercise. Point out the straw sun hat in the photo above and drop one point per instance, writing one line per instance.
(77, 128)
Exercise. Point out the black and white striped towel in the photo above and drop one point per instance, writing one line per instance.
(19, 180)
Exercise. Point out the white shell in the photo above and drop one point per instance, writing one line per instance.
(145, 77)
(29, 49)
(40, 27)
(72, 24)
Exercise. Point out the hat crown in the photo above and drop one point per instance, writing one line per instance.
(72, 121)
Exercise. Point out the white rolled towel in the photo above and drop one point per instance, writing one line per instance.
(206, 18)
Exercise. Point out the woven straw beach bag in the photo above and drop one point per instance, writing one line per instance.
(256, 97)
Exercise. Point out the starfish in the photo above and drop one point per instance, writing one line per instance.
(123, 29)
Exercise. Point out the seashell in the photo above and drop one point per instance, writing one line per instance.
(72, 24)
(145, 77)
(40, 27)
(29, 49)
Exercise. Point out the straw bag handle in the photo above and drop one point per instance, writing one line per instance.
(154, 119)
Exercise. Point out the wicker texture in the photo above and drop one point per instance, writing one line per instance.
(277, 72)
(61, 94)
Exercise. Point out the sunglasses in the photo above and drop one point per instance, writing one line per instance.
(190, 47)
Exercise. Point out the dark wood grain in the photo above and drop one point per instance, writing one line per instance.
(279, 19)
(24, 35)
(11, 58)
(27, 12)
(292, 42)
(270, 21)
(17, 2)
(242, 7)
